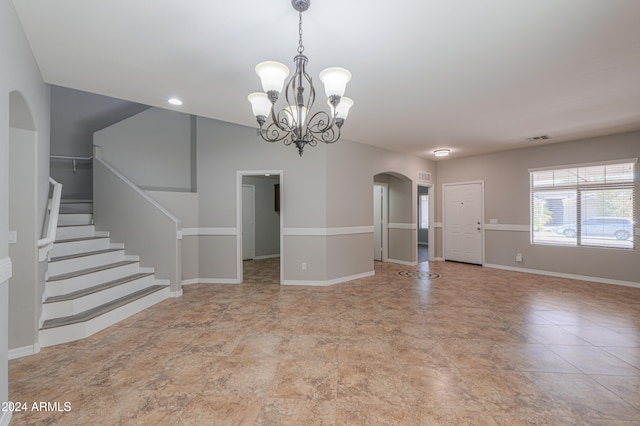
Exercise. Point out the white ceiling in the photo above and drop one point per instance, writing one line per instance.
(474, 76)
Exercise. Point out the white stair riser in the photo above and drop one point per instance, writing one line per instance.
(75, 219)
(76, 231)
(57, 288)
(75, 306)
(69, 333)
(82, 246)
(85, 262)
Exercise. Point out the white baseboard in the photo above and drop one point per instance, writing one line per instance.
(175, 293)
(402, 262)
(438, 259)
(5, 418)
(563, 275)
(268, 256)
(211, 281)
(329, 282)
(24, 351)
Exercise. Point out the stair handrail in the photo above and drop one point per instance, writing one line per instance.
(53, 209)
(73, 159)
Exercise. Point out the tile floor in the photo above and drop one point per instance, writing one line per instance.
(475, 346)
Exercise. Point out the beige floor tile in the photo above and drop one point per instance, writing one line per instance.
(474, 346)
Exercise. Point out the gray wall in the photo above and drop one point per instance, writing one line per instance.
(506, 191)
(75, 116)
(326, 195)
(152, 148)
(19, 73)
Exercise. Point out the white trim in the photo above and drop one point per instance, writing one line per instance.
(439, 259)
(24, 351)
(505, 227)
(571, 166)
(438, 224)
(410, 226)
(5, 418)
(268, 256)
(5, 269)
(199, 232)
(326, 232)
(563, 275)
(329, 282)
(210, 281)
(402, 262)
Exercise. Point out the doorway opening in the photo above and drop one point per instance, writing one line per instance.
(424, 215)
(394, 219)
(260, 224)
(380, 221)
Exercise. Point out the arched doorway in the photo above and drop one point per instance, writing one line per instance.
(401, 232)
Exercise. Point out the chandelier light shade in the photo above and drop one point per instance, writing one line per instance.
(296, 123)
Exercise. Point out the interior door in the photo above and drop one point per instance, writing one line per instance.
(248, 222)
(463, 222)
(379, 221)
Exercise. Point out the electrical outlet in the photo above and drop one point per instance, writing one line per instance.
(519, 257)
(304, 266)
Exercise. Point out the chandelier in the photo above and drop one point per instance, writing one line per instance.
(294, 124)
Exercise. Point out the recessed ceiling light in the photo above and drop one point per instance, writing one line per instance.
(175, 101)
(441, 152)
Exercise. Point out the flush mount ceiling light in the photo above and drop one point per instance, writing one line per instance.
(441, 152)
(294, 124)
(175, 101)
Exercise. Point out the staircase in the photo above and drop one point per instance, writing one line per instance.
(92, 284)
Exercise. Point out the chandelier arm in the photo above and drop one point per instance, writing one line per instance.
(273, 133)
(321, 122)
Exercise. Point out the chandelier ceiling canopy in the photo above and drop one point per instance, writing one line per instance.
(296, 123)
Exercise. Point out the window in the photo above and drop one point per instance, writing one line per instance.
(584, 205)
(423, 211)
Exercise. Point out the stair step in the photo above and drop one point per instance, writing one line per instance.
(100, 310)
(66, 208)
(75, 239)
(67, 246)
(60, 265)
(65, 232)
(88, 271)
(97, 288)
(83, 254)
(75, 218)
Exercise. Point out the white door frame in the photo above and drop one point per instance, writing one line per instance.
(239, 175)
(431, 231)
(253, 231)
(444, 218)
(385, 220)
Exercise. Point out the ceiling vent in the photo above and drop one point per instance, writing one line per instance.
(538, 138)
(424, 177)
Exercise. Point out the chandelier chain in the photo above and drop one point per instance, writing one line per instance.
(300, 46)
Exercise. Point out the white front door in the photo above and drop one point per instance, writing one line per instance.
(379, 221)
(248, 222)
(463, 222)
